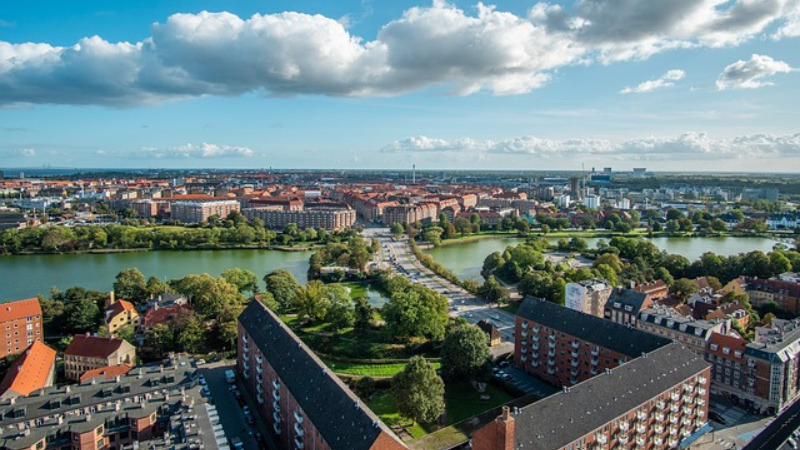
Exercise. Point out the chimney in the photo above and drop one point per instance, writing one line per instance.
(633, 284)
(111, 298)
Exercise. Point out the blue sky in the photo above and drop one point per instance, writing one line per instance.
(666, 84)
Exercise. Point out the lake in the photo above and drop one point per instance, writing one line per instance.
(25, 276)
(466, 259)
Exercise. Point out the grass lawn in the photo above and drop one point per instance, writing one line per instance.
(463, 401)
(384, 406)
(368, 370)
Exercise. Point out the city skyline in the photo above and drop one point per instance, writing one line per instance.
(701, 85)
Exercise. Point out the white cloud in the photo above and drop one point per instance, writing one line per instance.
(665, 81)
(27, 152)
(690, 145)
(204, 150)
(193, 55)
(750, 74)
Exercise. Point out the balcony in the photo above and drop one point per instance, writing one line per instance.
(524, 325)
(673, 442)
(259, 389)
(700, 402)
(687, 410)
(594, 361)
(551, 362)
(245, 339)
(536, 329)
(576, 344)
(574, 363)
(259, 360)
(640, 440)
(260, 399)
(688, 388)
(601, 438)
(700, 413)
(260, 370)
(276, 385)
(534, 355)
(658, 441)
(674, 407)
(641, 428)
(673, 418)
(641, 415)
(686, 432)
(623, 438)
(298, 444)
(574, 373)
(624, 426)
(277, 428)
(552, 336)
(573, 381)
(535, 346)
(574, 354)
(276, 418)
(659, 428)
(523, 359)
(593, 371)
(689, 401)
(276, 406)
(675, 396)
(595, 351)
(551, 371)
(298, 417)
(687, 421)
(535, 363)
(245, 357)
(552, 345)
(535, 339)
(701, 391)
(524, 334)
(298, 429)
(276, 395)
(246, 366)
(524, 350)
(673, 431)
(551, 353)
(660, 417)
(259, 380)
(661, 404)
(246, 373)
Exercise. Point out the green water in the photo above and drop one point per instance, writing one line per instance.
(466, 259)
(24, 276)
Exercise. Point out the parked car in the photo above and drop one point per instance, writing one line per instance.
(716, 417)
(236, 443)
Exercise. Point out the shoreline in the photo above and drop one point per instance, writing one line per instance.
(142, 250)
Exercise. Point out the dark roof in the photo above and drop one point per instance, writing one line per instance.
(613, 336)
(340, 417)
(93, 346)
(489, 328)
(561, 418)
(626, 297)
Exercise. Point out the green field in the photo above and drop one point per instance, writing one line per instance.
(368, 370)
(384, 406)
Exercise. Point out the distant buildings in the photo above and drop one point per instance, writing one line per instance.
(327, 216)
(199, 211)
(587, 296)
(86, 353)
(302, 402)
(21, 322)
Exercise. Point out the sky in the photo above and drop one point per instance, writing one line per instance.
(696, 85)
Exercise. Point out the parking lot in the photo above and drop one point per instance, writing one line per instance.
(526, 383)
(739, 427)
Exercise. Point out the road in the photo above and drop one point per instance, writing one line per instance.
(778, 431)
(463, 303)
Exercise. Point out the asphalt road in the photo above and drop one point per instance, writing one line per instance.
(778, 431)
(230, 413)
(469, 307)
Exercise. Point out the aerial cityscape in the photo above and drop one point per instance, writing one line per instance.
(563, 225)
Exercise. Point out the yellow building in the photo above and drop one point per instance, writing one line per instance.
(121, 313)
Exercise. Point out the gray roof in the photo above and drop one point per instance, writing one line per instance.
(613, 336)
(669, 318)
(564, 417)
(780, 343)
(628, 300)
(341, 418)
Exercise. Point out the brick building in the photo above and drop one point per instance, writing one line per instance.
(200, 211)
(326, 216)
(624, 305)
(86, 353)
(655, 401)
(786, 294)
(21, 322)
(694, 334)
(303, 402)
(565, 347)
(656, 290)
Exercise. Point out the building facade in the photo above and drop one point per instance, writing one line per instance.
(624, 305)
(121, 313)
(694, 334)
(200, 211)
(86, 352)
(587, 296)
(565, 347)
(335, 217)
(21, 322)
(302, 401)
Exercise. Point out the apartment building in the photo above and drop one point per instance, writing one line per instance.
(129, 411)
(407, 214)
(588, 296)
(623, 305)
(784, 293)
(200, 211)
(303, 402)
(658, 400)
(33, 370)
(21, 322)
(121, 313)
(87, 352)
(326, 216)
(565, 347)
(692, 333)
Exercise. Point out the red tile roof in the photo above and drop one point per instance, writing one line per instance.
(723, 341)
(93, 346)
(119, 306)
(108, 372)
(30, 371)
(20, 309)
(165, 314)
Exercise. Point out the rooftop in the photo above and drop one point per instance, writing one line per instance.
(30, 371)
(20, 309)
(613, 336)
(93, 346)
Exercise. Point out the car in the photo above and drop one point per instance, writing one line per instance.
(202, 381)
(469, 315)
(503, 364)
(206, 391)
(236, 443)
(200, 362)
(215, 358)
(249, 418)
(716, 417)
(505, 376)
(496, 317)
(246, 409)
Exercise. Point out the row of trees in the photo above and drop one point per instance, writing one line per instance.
(233, 231)
(353, 253)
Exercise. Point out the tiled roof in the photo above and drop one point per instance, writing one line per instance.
(343, 421)
(613, 336)
(120, 306)
(165, 314)
(30, 371)
(719, 342)
(628, 300)
(107, 372)
(20, 309)
(561, 418)
(93, 346)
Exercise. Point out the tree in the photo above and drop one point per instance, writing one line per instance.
(160, 338)
(190, 333)
(131, 285)
(283, 286)
(268, 300)
(396, 229)
(465, 353)
(156, 287)
(127, 332)
(683, 288)
(82, 316)
(416, 312)
(418, 391)
(341, 313)
(244, 280)
(312, 301)
(363, 314)
(492, 263)
(492, 291)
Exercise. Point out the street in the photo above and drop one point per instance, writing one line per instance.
(462, 303)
